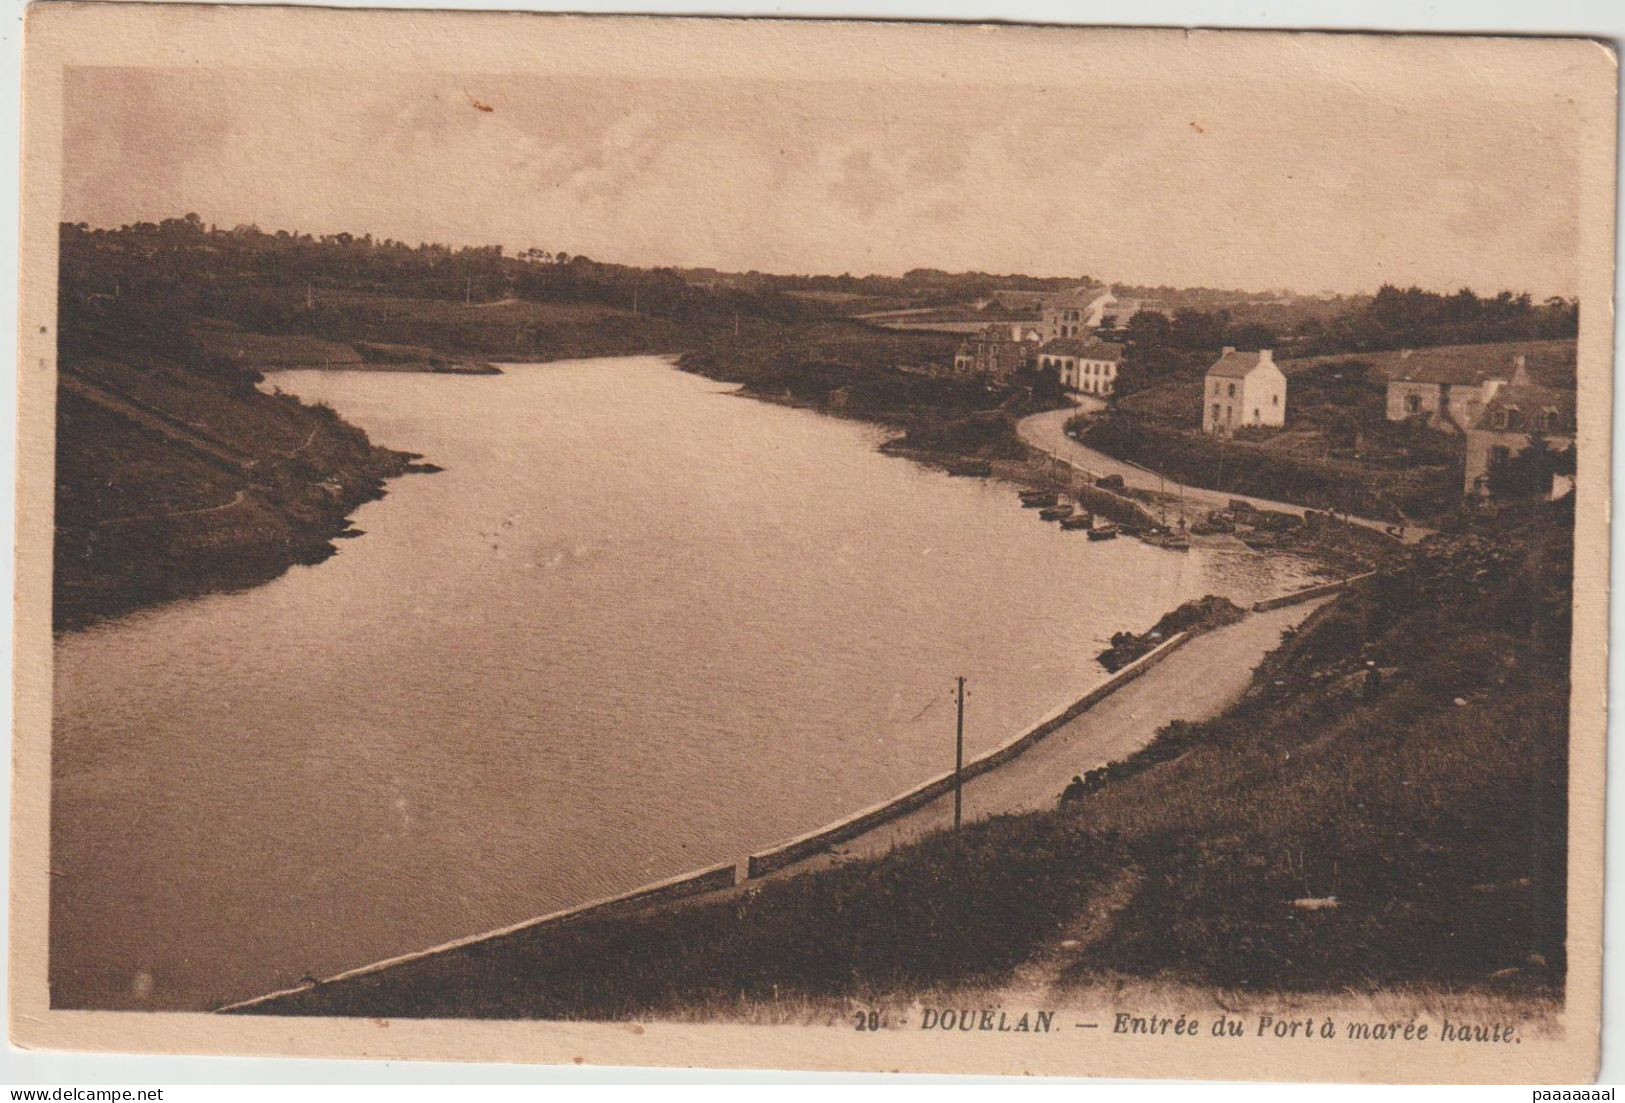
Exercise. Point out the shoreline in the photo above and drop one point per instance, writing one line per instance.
(867, 832)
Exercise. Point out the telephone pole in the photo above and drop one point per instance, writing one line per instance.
(959, 753)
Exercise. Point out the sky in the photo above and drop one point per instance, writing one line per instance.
(1245, 177)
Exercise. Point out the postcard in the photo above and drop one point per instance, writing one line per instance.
(812, 544)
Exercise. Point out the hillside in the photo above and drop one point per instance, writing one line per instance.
(176, 476)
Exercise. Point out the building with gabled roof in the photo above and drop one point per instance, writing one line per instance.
(997, 351)
(1450, 393)
(1077, 312)
(1083, 364)
(1514, 416)
(1243, 389)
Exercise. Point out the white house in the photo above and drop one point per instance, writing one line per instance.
(1076, 313)
(1087, 366)
(1243, 389)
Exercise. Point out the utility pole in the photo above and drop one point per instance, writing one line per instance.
(310, 296)
(468, 290)
(634, 301)
(736, 325)
(959, 754)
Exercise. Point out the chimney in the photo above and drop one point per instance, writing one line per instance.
(1228, 349)
(1520, 374)
(1266, 356)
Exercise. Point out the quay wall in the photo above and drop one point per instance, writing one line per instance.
(1081, 485)
(1310, 593)
(793, 850)
(720, 876)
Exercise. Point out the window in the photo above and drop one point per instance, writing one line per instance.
(1255, 413)
(1500, 419)
(1413, 404)
(1215, 413)
(1232, 390)
(1215, 386)
(1275, 400)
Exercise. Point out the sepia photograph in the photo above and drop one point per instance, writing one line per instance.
(812, 544)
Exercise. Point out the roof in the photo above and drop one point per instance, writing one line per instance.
(1082, 349)
(1449, 371)
(1551, 362)
(1238, 365)
(1081, 296)
(1522, 403)
(1005, 331)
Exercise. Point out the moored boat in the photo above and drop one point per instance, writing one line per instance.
(1034, 499)
(1058, 512)
(1104, 532)
(1078, 521)
(1174, 541)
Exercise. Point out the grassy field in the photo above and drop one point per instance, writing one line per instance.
(1335, 832)
(1270, 469)
(1551, 363)
(266, 351)
(494, 330)
(1337, 450)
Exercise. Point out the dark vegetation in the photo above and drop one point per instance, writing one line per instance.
(1397, 318)
(1241, 466)
(175, 476)
(1386, 806)
(945, 911)
(881, 375)
(1529, 474)
(1404, 755)
(1196, 616)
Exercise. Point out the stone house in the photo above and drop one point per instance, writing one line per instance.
(997, 351)
(1241, 390)
(1449, 393)
(1514, 416)
(1088, 366)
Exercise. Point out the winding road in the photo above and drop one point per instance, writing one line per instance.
(1047, 433)
(1196, 682)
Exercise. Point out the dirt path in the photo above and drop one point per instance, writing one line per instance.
(132, 409)
(236, 500)
(1196, 682)
(1047, 433)
(1037, 981)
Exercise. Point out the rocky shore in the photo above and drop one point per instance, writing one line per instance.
(177, 476)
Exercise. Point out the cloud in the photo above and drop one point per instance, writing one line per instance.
(1285, 180)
